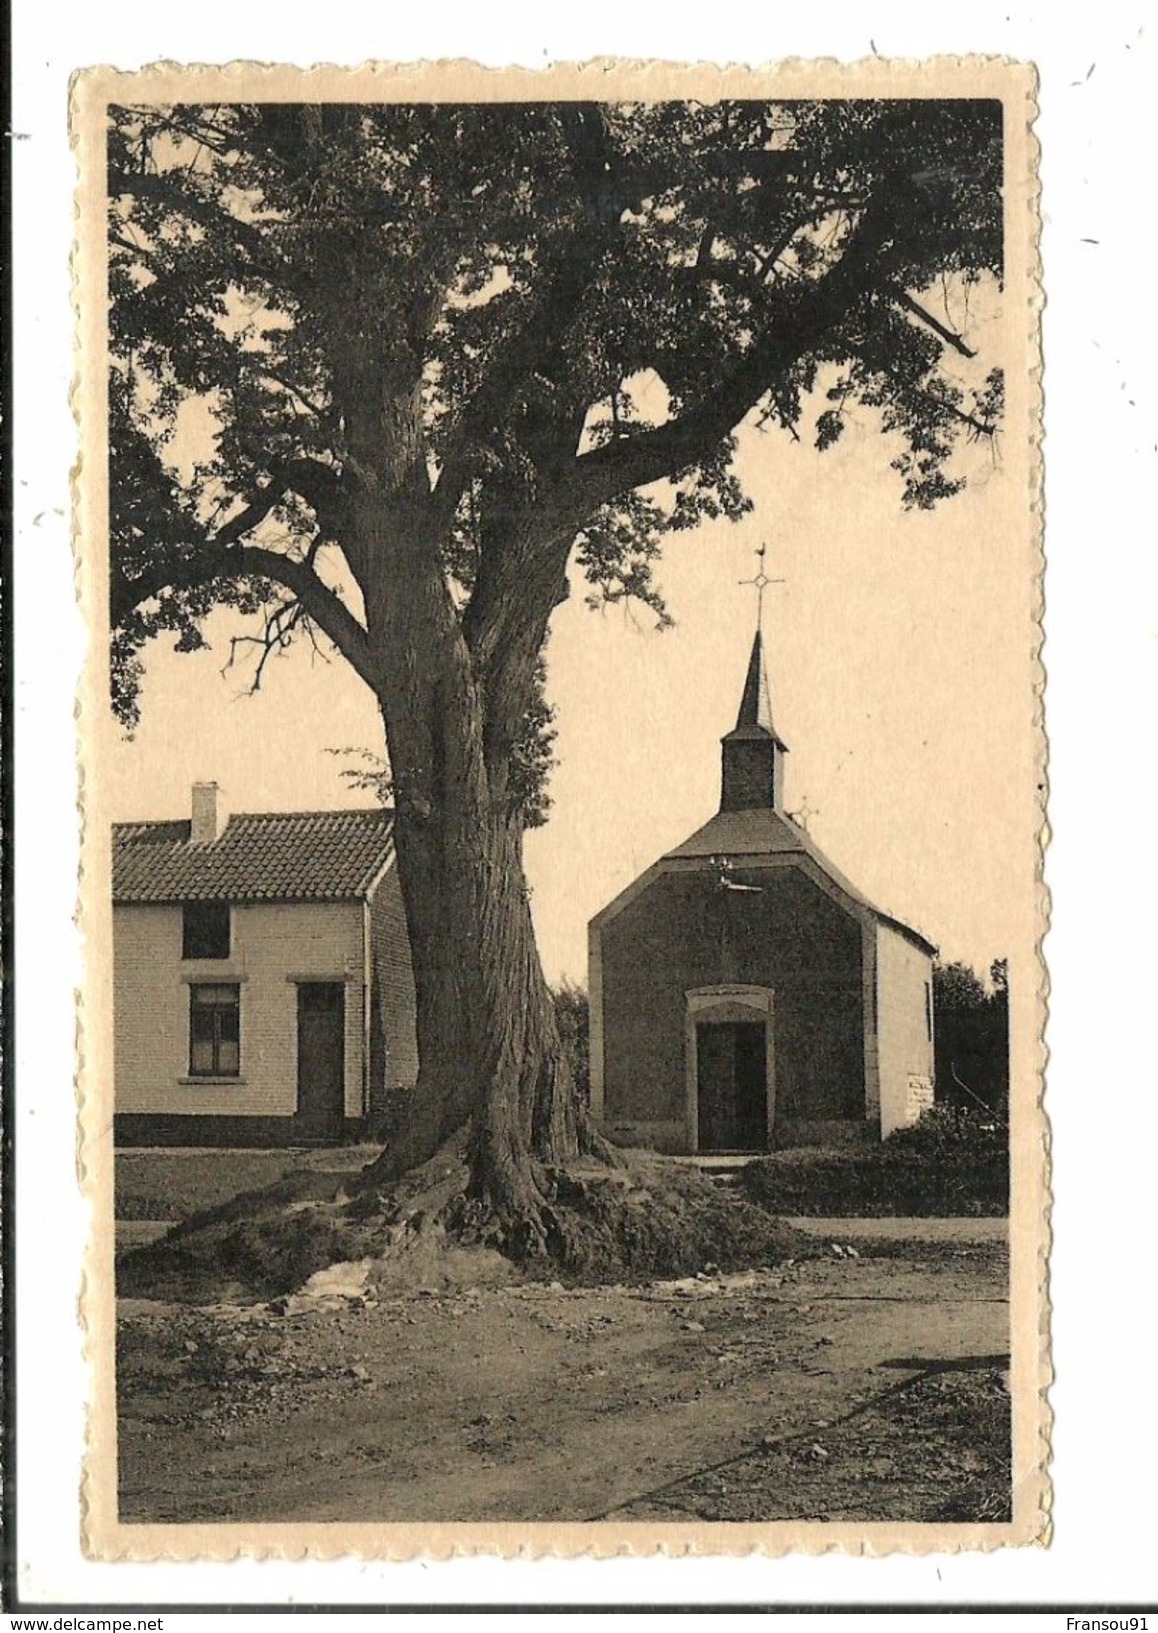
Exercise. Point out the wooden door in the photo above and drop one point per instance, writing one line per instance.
(321, 1059)
(732, 1085)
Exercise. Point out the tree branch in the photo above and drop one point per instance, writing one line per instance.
(318, 483)
(532, 571)
(318, 409)
(280, 626)
(979, 427)
(601, 474)
(327, 609)
(224, 556)
(949, 336)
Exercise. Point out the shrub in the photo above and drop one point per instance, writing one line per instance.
(960, 1132)
(950, 1163)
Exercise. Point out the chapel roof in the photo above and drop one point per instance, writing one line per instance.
(260, 856)
(762, 831)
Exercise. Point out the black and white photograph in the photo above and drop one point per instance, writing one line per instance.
(564, 789)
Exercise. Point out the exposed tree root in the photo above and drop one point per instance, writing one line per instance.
(592, 1144)
(644, 1218)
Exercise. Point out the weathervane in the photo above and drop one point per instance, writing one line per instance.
(761, 581)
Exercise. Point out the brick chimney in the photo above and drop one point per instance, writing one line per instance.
(204, 826)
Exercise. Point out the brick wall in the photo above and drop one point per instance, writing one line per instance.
(270, 941)
(904, 1044)
(684, 931)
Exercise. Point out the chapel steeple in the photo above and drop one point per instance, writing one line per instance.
(753, 753)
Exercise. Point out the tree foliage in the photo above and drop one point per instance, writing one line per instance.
(971, 1036)
(585, 301)
(573, 1009)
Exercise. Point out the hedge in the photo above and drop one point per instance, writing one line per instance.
(950, 1163)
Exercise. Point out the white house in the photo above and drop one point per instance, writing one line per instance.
(262, 984)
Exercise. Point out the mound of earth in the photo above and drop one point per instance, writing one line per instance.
(653, 1218)
(647, 1218)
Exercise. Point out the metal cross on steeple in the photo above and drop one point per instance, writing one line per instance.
(802, 814)
(761, 581)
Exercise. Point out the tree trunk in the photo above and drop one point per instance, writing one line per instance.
(489, 1050)
(490, 1054)
(491, 1058)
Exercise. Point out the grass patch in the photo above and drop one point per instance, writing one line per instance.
(177, 1184)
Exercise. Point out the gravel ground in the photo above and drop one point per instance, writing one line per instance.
(861, 1387)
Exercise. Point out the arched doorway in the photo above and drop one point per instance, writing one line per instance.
(730, 1055)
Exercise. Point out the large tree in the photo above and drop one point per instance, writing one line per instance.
(439, 353)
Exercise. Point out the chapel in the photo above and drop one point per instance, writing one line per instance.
(744, 994)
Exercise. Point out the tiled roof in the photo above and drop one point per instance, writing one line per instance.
(269, 856)
(766, 832)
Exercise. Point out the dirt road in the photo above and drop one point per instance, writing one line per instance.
(828, 1389)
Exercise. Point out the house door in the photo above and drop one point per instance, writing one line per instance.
(321, 1059)
(732, 1083)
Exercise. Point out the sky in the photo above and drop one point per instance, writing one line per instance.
(901, 650)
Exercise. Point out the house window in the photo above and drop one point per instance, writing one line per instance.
(214, 1031)
(205, 930)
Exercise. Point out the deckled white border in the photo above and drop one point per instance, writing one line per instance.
(93, 91)
(1116, 1563)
